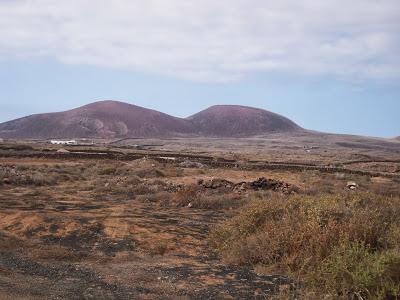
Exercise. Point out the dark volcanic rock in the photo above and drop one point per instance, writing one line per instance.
(259, 184)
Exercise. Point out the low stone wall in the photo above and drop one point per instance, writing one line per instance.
(205, 160)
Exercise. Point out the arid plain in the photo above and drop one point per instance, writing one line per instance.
(145, 218)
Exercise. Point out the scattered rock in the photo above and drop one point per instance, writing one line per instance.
(259, 184)
(272, 184)
(352, 185)
(264, 184)
(144, 163)
(242, 186)
(191, 164)
(62, 150)
(217, 183)
(173, 188)
(340, 176)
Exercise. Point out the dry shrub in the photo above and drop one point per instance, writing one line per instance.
(386, 189)
(187, 195)
(307, 236)
(159, 248)
(162, 198)
(39, 175)
(36, 179)
(142, 189)
(125, 187)
(149, 173)
(320, 183)
(218, 201)
(107, 170)
(104, 168)
(353, 270)
(197, 198)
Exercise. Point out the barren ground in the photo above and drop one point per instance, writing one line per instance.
(73, 228)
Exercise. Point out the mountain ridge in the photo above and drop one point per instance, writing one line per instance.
(112, 119)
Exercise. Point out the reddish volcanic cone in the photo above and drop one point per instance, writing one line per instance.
(235, 120)
(113, 119)
(104, 119)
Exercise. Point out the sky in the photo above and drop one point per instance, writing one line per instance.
(329, 65)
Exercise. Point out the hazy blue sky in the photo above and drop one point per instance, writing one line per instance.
(328, 65)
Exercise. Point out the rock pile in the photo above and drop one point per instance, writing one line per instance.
(259, 184)
(351, 185)
(216, 183)
(62, 150)
(271, 184)
(173, 188)
(191, 164)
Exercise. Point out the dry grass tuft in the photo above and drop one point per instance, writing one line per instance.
(194, 196)
(344, 246)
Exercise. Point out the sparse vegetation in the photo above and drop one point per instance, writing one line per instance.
(326, 240)
(22, 176)
(344, 246)
(193, 196)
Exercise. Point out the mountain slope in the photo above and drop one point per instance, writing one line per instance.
(113, 119)
(235, 120)
(104, 119)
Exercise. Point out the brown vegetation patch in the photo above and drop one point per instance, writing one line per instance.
(343, 246)
(130, 223)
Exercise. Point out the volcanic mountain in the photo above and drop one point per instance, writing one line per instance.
(104, 119)
(235, 120)
(113, 119)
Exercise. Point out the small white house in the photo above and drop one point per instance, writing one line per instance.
(56, 142)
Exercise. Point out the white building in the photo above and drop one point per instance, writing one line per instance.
(56, 142)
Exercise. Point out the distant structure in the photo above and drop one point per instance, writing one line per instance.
(1, 140)
(55, 142)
